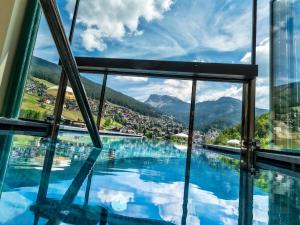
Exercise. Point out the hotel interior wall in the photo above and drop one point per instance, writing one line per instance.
(285, 78)
(11, 17)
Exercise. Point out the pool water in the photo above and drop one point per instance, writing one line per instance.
(138, 181)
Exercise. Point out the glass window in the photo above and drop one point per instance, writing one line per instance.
(44, 73)
(42, 79)
(218, 113)
(285, 77)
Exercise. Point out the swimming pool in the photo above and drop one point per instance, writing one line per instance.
(139, 181)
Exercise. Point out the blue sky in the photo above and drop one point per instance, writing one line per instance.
(185, 30)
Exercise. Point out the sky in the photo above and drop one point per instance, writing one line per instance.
(183, 30)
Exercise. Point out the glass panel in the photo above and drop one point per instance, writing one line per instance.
(218, 113)
(217, 122)
(43, 78)
(285, 77)
(185, 30)
(156, 108)
(276, 198)
(44, 73)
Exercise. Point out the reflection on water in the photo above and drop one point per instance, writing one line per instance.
(145, 179)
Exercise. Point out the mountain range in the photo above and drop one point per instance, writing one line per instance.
(219, 114)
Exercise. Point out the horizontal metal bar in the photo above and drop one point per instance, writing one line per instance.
(168, 69)
(16, 126)
(42, 129)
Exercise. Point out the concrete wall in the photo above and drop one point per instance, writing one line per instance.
(11, 20)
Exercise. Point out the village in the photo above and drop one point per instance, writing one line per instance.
(114, 117)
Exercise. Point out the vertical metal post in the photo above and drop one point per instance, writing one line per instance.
(189, 154)
(246, 198)
(271, 69)
(248, 126)
(248, 107)
(247, 136)
(63, 83)
(101, 100)
(254, 31)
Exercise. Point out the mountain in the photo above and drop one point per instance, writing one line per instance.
(51, 72)
(219, 114)
(170, 105)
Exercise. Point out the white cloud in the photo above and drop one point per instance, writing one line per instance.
(208, 92)
(106, 19)
(182, 89)
(178, 88)
(262, 84)
(117, 199)
(91, 40)
(262, 53)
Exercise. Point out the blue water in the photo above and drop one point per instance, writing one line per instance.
(140, 178)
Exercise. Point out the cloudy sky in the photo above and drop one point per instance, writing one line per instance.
(185, 30)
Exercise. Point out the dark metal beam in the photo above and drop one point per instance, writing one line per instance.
(254, 29)
(26, 127)
(248, 126)
(168, 69)
(247, 135)
(101, 100)
(272, 54)
(248, 107)
(189, 154)
(53, 19)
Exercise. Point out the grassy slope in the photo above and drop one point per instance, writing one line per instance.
(50, 72)
(31, 102)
